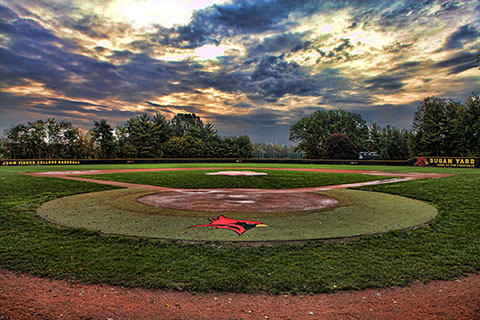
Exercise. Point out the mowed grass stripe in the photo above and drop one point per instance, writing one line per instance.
(448, 248)
(196, 179)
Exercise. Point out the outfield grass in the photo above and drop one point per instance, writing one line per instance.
(275, 179)
(448, 248)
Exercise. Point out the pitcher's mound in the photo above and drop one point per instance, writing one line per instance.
(239, 200)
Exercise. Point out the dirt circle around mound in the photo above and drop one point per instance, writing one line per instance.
(238, 200)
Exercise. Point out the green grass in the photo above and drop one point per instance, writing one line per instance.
(448, 248)
(117, 212)
(275, 179)
(234, 165)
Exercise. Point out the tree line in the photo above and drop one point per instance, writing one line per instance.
(441, 127)
(446, 127)
(184, 136)
(338, 134)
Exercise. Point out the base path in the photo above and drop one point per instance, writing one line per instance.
(25, 297)
(398, 176)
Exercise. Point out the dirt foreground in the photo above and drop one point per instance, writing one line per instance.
(29, 297)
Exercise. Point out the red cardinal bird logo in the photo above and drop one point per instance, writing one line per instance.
(239, 226)
(422, 162)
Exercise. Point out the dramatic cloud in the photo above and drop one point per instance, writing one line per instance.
(457, 63)
(251, 67)
(460, 37)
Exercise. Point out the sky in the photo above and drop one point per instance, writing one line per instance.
(250, 67)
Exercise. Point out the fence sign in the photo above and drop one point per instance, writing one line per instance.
(36, 162)
(456, 162)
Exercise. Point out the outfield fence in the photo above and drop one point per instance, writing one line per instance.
(458, 162)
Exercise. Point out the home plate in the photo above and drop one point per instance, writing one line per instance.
(236, 173)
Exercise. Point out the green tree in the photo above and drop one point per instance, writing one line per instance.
(350, 124)
(443, 127)
(312, 131)
(3, 148)
(413, 144)
(73, 143)
(236, 147)
(393, 144)
(53, 138)
(193, 147)
(185, 147)
(146, 135)
(173, 148)
(339, 146)
(399, 145)
(45, 139)
(62, 139)
(124, 147)
(182, 122)
(210, 139)
(428, 124)
(472, 124)
(374, 141)
(102, 136)
(16, 142)
(89, 147)
(191, 126)
(36, 145)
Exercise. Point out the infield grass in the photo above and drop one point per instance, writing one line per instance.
(447, 248)
(197, 179)
(117, 212)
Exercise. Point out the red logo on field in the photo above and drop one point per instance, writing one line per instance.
(239, 226)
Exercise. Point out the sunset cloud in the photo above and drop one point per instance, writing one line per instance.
(251, 67)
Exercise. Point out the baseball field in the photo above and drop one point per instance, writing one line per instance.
(424, 228)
